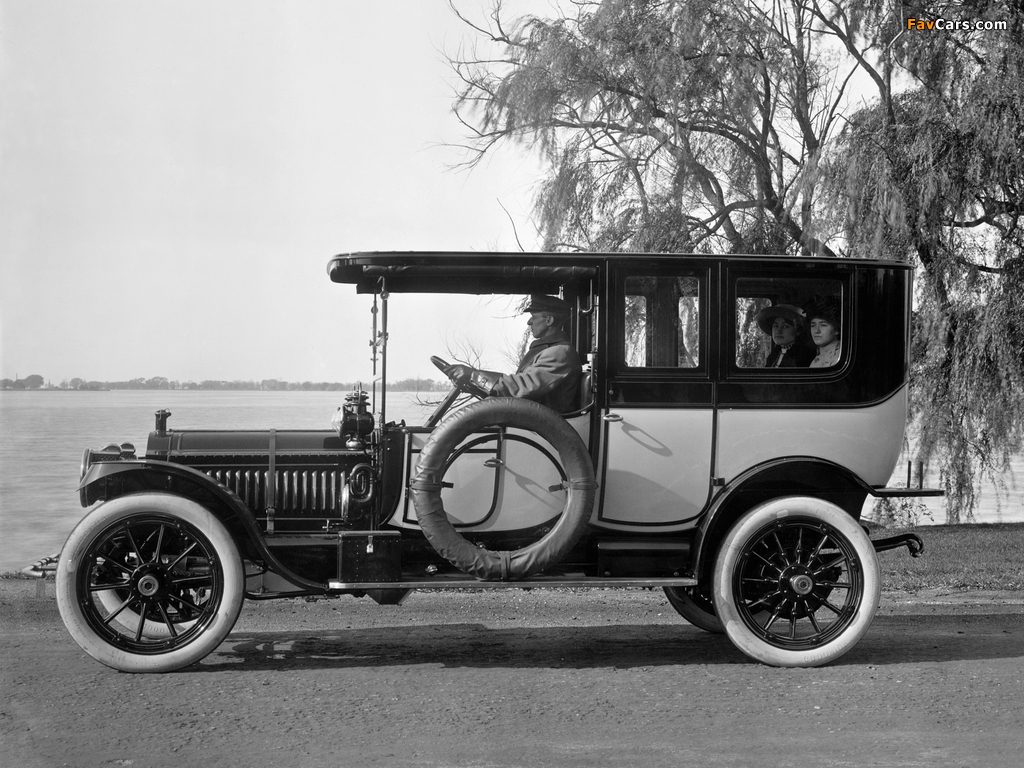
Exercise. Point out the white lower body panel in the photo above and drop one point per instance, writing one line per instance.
(865, 440)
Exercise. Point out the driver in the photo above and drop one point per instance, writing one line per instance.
(550, 370)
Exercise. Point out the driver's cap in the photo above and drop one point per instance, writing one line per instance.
(539, 302)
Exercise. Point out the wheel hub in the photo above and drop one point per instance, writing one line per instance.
(150, 582)
(148, 585)
(801, 584)
(797, 581)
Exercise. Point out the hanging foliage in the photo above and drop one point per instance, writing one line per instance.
(821, 127)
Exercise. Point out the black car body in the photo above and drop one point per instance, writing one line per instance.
(687, 465)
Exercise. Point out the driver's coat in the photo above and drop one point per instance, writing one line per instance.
(549, 374)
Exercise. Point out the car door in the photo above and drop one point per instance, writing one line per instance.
(658, 420)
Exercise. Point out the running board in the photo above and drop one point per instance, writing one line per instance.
(552, 582)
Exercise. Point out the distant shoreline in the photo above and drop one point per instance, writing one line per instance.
(218, 389)
(58, 389)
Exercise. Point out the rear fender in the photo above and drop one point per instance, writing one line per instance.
(791, 476)
(108, 480)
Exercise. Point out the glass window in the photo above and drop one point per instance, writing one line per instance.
(788, 322)
(662, 322)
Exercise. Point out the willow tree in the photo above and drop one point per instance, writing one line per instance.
(789, 126)
(932, 172)
(665, 125)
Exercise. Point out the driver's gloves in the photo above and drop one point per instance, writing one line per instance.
(485, 380)
(458, 373)
(482, 380)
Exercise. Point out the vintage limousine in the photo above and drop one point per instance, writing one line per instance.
(692, 460)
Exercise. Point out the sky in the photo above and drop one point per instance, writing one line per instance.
(174, 178)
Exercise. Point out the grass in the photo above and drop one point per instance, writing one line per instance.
(976, 556)
(963, 557)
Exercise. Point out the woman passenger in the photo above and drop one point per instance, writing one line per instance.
(825, 328)
(785, 324)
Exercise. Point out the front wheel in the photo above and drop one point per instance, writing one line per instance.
(149, 582)
(796, 583)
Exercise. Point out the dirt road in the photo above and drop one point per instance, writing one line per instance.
(540, 678)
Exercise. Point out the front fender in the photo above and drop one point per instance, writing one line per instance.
(108, 480)
(105, 480)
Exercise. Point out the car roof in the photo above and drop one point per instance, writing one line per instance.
(520, 272)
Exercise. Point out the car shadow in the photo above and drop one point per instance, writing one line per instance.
(473, 645)
(912, 638)
(891, 640)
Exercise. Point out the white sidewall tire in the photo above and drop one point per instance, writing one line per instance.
(78, 546)
(742, 536)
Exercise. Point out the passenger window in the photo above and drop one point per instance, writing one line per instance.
(789, 323)
(662, 322)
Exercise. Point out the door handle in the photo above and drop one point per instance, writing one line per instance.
(612, 417)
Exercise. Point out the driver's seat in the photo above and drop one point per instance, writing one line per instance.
(586, 394)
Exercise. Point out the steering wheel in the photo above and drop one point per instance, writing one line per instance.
(468, 388)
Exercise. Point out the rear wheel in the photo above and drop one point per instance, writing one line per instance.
(695, 607)
(149, 583)
(796, 583)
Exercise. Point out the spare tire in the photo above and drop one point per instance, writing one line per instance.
(549, 549)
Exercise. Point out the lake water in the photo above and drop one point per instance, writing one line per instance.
(44, 433)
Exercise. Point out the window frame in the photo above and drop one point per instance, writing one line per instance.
(732, 371)
(701, 271)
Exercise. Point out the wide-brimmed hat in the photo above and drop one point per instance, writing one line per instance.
(539, 302)
(795, 315)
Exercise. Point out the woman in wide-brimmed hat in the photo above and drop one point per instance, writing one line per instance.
(786, 325)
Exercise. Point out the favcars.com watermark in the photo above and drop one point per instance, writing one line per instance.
(954, 25)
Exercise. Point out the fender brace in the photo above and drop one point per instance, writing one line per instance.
(911, 541)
